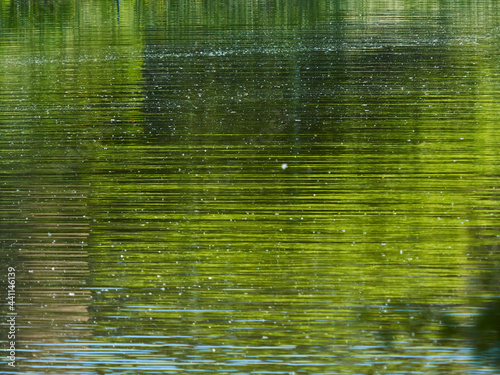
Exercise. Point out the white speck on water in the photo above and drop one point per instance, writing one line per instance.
(284, 166)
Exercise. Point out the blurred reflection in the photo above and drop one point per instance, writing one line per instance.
(290, 187)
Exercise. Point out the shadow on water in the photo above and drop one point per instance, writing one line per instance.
(471, 328)
(118, 11)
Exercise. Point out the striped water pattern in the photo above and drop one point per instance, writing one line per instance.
(257, 188)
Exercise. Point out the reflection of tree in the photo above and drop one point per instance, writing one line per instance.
(222, 80)
(473, 325)
(217, 131)
(200, 240)
(46, 234)
(48, 117)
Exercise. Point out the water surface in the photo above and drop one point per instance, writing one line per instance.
(250, 188)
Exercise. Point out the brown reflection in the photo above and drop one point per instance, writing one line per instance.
(49, 252)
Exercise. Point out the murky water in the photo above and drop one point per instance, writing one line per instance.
(257, 187)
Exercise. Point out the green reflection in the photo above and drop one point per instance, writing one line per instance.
(252, 186)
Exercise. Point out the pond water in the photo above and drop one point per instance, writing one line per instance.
(250, 187)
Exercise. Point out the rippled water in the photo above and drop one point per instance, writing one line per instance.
(250, 188)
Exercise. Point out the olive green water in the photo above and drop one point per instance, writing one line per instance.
(250, 187)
